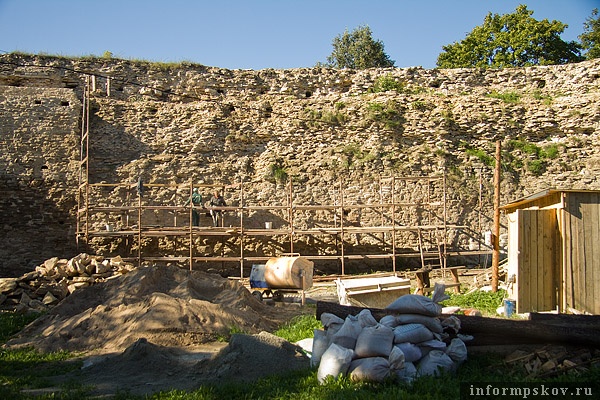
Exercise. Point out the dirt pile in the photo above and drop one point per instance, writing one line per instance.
(167, 306)
(156, 328)
(145, 367)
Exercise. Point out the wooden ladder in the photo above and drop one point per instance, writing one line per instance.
(427, 259)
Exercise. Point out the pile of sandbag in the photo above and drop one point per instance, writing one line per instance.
(412, 341)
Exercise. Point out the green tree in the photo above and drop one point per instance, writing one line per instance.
(590, 38)
(511, 40)
(358, 50)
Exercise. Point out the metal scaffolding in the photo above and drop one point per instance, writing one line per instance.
(397, 207)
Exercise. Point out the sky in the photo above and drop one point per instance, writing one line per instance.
(257, 34)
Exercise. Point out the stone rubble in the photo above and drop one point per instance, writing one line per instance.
(55, 279)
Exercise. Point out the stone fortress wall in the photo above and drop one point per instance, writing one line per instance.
(326, 129)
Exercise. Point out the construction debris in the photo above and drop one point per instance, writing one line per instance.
(554, 360)
(55, 279)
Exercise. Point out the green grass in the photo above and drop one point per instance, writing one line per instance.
(507, 97)
(486, 302)
(12, 323)
(300, 327)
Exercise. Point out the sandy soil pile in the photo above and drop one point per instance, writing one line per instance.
(167, 306)
(156, 329)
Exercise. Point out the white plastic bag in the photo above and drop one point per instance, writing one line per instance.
(429, 345)
(412, 352)
(389, 320)
(334, 362)
(331, 322)
(432, 323)
(452, 322)
(320, 345)
(396, 358)
(348, 333)
(408, 373)
(417, 304)
(372, 369)
(457, 351)
(374, 341)
(413, 333)
(434, 363)
(366, 318)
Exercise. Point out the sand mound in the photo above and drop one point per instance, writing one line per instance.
(167, 306)
(250, 357)
(144, 367)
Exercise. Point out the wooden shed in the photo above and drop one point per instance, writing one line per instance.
(554, 251)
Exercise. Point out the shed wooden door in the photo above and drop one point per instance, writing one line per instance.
(538, 260)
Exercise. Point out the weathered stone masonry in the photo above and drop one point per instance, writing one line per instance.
(171, 124)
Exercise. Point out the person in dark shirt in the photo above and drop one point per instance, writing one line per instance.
(196, 200)
(217, 200)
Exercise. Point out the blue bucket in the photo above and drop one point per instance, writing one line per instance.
(510, 307)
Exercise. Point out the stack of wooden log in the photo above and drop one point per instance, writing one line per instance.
(582, 330)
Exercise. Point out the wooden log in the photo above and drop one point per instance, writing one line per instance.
(589, 321)
(494, 331)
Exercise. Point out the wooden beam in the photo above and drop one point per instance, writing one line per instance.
(497, 331)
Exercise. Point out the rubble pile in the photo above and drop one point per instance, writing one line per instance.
(553, 360)
(56, 279)
(413, 341)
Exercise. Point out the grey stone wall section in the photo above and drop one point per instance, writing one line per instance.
(173, 124)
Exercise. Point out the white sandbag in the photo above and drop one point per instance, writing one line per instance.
(348, 333)
(451, 323)
(372, 369)
(366, 318)
(429, 345)
(389, 321)
(334, 362)
(306, 345)
(331, 321)
(413, 333)
(320, 345)
(432, 323)
(465, 338)
(457, 351)
(435, 363)
(412, 352)
(374, 341)
(396, 358)
(408, 373)
(417, 304)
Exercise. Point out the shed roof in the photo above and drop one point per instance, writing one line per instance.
(541, 194)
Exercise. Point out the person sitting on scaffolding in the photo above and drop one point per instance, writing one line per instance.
(196, 200)
(217, 200)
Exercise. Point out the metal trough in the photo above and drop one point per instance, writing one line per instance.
(376, 292)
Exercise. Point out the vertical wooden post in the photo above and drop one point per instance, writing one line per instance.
(139, 232)
(393, 225)
(342, 225)
(291, 215)
(242, 233)
(191, 227)
(496, 235)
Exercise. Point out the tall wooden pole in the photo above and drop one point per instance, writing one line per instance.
(496, 235)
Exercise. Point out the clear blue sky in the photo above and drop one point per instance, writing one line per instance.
(256, 34)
